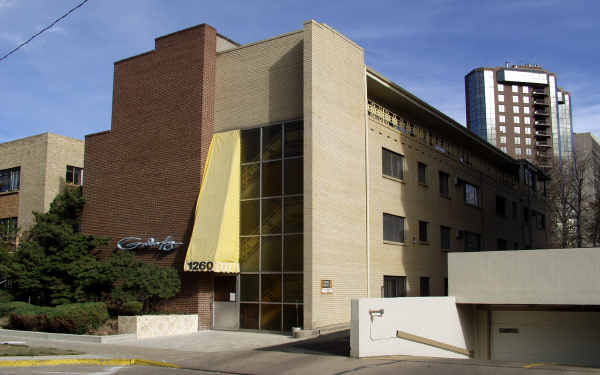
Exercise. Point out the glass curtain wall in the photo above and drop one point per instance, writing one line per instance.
(271, 227)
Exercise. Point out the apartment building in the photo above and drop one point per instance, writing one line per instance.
(33, 170)
(285, 177)
(521, 110)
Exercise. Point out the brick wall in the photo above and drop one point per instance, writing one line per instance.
(142, 177)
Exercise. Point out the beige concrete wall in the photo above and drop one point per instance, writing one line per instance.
(334, 175)
(9, 205)
(259, 83)
(43, 159)
(416, 202)
(62, 151)
(544, 277)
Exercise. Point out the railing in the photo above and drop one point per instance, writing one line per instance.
(539, 92)
(434, 343)
(542, 134)
(536, 102)
(538, 144)
(541, 123)
(540, 113)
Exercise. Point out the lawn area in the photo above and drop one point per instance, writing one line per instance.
(23, 350)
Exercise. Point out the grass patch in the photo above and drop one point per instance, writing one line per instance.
(23, 350)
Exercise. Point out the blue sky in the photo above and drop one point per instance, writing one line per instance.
(62, 81)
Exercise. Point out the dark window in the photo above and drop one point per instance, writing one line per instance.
(514, 209)
(74, 175)
(392, 164)
(393, 228)
(250, 145)
(444, 238)
(394, 286)
(422, 169)
(500, 206)
(543, 221)
(10, 179)
(8, 228)
(445, 286)
(472, 241)
(471, 194)
(293, 139)
(272, 145)
(423, 231)
(525, 214)
(502, 244)
(444, 187)
(540, 220)
(424, 284)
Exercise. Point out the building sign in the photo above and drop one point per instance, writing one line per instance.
(134, 243)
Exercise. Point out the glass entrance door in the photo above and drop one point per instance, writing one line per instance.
(225, 307)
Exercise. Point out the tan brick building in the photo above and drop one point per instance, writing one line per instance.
(33, 171)
(348, 185)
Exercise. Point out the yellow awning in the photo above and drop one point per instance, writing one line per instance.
(215, 242)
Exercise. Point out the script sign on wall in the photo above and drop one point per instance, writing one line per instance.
(134, 243)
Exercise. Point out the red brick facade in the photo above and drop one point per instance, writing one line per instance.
(143, 176)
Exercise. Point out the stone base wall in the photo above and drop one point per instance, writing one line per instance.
(145, 326)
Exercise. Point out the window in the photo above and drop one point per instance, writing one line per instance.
(393, 228)
(515, 109)
(503, 148)
(446, 286)
(527, 130)
(501, 108)
(528, 141)
(500, 206)
(503, 139)
(516, 119)
(517, 140)
(515, 99)
(515, 88)
(500, 87)
(471, 194)
(527, 120)
(10, 179)
(517, 130)
(514, 210)
(444, 185)
(502, 244)
(528, 151)
(422, 173)
(542, 224)
(525, 214)
(517, 151)
(472, 241)
(502, 118)
(525, 89)
(444, 238)
(526, 99)
(423, 231)
(74, 175)
(502, 129)
(392, 164)
(526, 110)
(8, 227)
(424, 286)
(501, 98)
(394, 286)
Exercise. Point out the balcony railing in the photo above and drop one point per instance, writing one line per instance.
(541, 134)
(539, 102)
(539, 144)
(539, 92)
(541, 113)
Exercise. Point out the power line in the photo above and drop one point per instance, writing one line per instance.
(44, 29)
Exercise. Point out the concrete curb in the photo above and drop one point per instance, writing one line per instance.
(66, 336)
(88, 361)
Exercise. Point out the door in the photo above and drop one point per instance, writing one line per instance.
(566, 337)
(225, 307)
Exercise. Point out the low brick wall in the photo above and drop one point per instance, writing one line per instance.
(145, 326)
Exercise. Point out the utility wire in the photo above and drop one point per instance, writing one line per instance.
(43, 30)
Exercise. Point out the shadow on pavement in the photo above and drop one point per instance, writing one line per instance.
(337, 343)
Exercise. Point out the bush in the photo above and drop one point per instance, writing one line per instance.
(130, 308)
(29, 318)
(78, 318)
(8, 307)
(5, 296)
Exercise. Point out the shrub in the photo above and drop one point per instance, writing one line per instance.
(78, 318)
(8, 307)
(130, 308)
(29, 317)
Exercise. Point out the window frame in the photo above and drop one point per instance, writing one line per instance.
(423, 231)
(443, 231)
(477, 196)
(422, 173)
(443, 176)
(392, 154)
(402, 234)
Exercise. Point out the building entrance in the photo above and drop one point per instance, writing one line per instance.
(225, 306)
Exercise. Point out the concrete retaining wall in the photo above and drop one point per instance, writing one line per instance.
(433, 318)
(145, 326)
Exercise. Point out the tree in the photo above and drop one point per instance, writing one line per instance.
(53, 257)
(560, 195)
